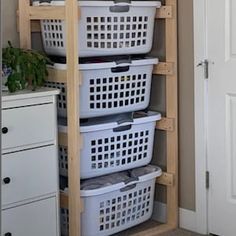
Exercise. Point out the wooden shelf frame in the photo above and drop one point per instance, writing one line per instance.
(28, 21)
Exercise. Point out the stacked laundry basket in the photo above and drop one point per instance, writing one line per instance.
(117, 184)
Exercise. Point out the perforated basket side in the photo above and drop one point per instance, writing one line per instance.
(118, 210)
(104, 32)
(61, 98)
(116, 90)
(109, 151)
(109, 91)
(114, 211)
(64, 221)
(63, 160)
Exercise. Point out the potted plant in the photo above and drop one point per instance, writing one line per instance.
(26, 68)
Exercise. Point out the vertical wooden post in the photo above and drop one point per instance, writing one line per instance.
(24, 24)
(172, 112)
(73, 116)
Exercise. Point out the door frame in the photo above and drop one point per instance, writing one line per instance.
(200, 113)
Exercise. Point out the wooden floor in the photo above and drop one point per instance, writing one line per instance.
(181, 232)
(150, 224)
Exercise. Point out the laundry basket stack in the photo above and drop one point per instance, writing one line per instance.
(117, 182)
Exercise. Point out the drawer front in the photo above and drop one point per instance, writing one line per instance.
(29, 174)
(28, 125)
(34, 219)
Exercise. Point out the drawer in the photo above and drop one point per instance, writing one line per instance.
(29, 125)
(29, 174)
(34, 219)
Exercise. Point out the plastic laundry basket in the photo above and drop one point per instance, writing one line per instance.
(110, 87)
(113, 144)
(105, 28)
(116, 205)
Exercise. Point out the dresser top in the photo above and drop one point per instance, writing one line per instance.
(27, 94)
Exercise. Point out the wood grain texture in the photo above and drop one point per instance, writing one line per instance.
(167, 124)
(64, 201)
(47, 12)
(34, 25)
(164, 12)
(166, 179)
(55, 75)
(24, 24)
(60, 76)
(148, 228)
(172, 112)
(62, 139)
(71, 13)
(164, 68)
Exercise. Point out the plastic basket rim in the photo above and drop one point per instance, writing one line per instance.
(152, 116)
(118, 186)
(108, 65)
(156, 4)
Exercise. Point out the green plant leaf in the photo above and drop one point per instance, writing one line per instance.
(26, 65)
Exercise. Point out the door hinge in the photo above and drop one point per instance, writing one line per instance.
(205, 65)
(207, 179)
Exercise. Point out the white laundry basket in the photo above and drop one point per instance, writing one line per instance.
(110, 87)
(112, 145)
(105, 28)
(114, 207)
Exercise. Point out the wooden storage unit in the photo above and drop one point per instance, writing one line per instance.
(28, 22)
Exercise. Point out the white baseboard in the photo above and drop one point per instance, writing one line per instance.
(187, 218)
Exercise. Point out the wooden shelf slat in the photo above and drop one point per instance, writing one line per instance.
(63, 140)
(165, 12)
(55, 75)
(47, 12)
(164, 68)
(166, 179)
(60, 76)
(35, 26)
(167, 124)
(64, 201)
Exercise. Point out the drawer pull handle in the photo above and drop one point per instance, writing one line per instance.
(8, 234)
(4, 130)
(7, 180)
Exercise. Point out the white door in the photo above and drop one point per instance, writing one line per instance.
(221, 49)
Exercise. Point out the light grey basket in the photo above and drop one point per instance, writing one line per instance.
(105, 28)
(113, 145)
(109, 87)
(116, 207)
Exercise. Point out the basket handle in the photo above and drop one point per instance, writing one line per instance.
(45, 1)
(120, 69)
(122, 128)
(122, 1)
(125, 189)
(119, 9)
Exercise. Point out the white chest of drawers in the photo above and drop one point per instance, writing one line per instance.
(30, 190)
